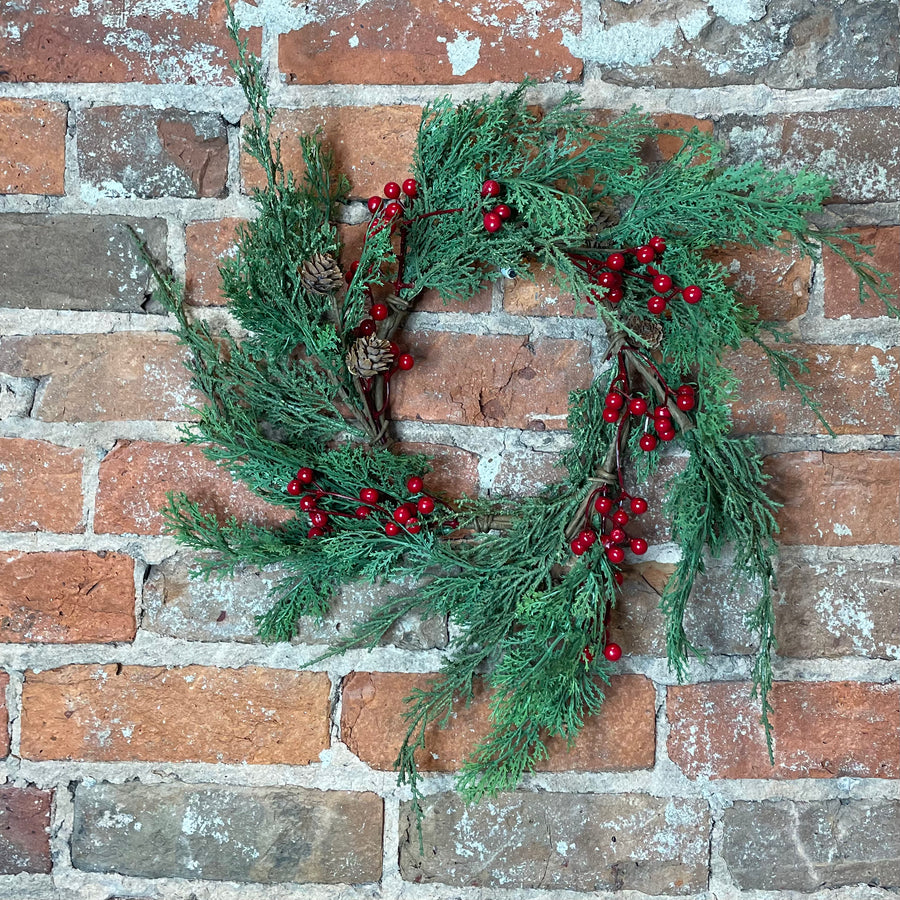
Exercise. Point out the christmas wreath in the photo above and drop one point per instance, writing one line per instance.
(299, 408)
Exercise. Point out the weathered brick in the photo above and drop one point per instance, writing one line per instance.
(579, 842)
(136, 475)
(127, 151)
(77, 262)
(414, 42)
(853, 147)
(620, 737)
(4, 715)
(372, 145)
(857, 387)
(821, 730)
(842, 285)
(225, 609)
(208, 244)
(654, 526)
(32, 147)
(779, 43)
(836, 499)
(246, 834)
(66, 597)
(170, 43)
(534, 293)
(25, 831)
(454, 470)
(524, 473)
(188, 714)
(498, 380)
(103, 377)
(780, 845)
(40, 486)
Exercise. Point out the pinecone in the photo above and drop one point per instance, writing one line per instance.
(650, 330)
(321, 274)
(369, 356)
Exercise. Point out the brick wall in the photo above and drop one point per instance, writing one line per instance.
(152, 747)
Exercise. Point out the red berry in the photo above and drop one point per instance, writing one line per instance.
(503, 211)
(318, 518)
(366, 328)
(686, 389)
(613, 652)
(685, 402)
(587, 656)
(648, 442)
(402, 514)
(662, 412)
(657, 305)
(618, 536)
(638, 546)
(610, 414)
(368, 495)
(577, 547)
(619, 578)
(645, 254)
(411, 187)
(490, 188)
(373, 204)
(609, 279)
(615, 295)
(362, 512)
(614, 400)
(405, 361)
(692, 294)
(425, 506)
(638, 505)
(620, 517)
(294, 487)
(391, 528)
(615, 555)
(351, 271)
(492, 222)
(638, 406)
(662, 283)
(392, 210)
(392, 190)
(305, 475)
(587, 537)
(658, 244)
(307, 503)
(413, 526)
(603, 505)
(314, 533)
(379, 312)
(666, 434)
(414, 484)
(616, 261)
(395, 350)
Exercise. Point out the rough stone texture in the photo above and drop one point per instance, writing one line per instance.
(208, 244)
(66, 597)
(837, 607)
(189, 714)
(842, 285)
(25, 831)
(77, 262)
(224, 609)
(821, 730)
(582, 842)
(4, 715)
(836, 499)
(524, 473)
(653, 525)
(496, 380)
(619, 738)
(856, 148)
(245, 834)
(372, 145)
(32, 147)
(40, 486)
(858, 388)
(416, 42)
(126, 151)
(94, 42)
(533, 293)
(136, 475)
(782, 43)
(782, 845)
(103, 377)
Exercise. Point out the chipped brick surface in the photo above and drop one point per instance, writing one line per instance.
(25, 831)
(208, 244)
(32, 147)
(842, 284)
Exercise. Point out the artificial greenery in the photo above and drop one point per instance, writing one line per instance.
(529, 616)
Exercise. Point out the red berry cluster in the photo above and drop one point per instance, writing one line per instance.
(406, 514)
(493, 220)
(618, 404)
(391, 206)
(608, 514)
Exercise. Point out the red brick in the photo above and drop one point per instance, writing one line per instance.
(136, 475)
(858, 388)
(103, 377)
(842, 285)
(73, 597)
(497, 380)
(169, 44)
(40, 486)
(620, 738)
(32, 147)
(821, 730)
(4, 715)
(25, 831)
(414, 42)
(372, 145)
(454, 471)
(540, 297)
(836, 499)
(190, 714)
(208, 244)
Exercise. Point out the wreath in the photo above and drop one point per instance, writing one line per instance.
(299, 407)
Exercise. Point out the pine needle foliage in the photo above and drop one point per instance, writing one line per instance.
(529, 608)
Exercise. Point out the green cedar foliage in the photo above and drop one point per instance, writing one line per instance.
(529, 618)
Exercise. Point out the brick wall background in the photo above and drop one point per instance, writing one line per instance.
(153, 748)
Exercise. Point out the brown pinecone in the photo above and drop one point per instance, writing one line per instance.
(321, 274)
(369, 356)
(650, 330)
